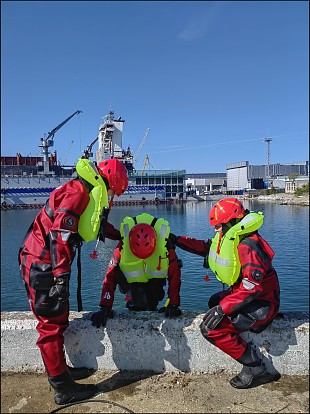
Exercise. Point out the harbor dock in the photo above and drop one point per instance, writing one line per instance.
(147, 363)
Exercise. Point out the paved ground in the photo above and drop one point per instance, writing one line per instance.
(137, 392)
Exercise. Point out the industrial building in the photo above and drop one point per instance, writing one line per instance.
(241, 176)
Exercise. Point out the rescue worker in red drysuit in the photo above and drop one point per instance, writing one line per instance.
(45, 261)
(147, 290)
(250, 303)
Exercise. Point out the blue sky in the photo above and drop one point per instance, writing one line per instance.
(210, 79)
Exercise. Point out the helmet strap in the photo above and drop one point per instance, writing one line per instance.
(218, 248)
(111, 202)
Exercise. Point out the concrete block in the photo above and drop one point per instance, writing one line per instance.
(148, 341)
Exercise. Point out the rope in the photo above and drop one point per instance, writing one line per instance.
(90, 401)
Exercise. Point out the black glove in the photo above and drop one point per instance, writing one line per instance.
(173, 238)
(60, 291)
(213, 317)
(100, 318)
(170, 311)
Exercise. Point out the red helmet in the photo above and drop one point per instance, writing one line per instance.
(225, 210)
(142, 240)
(116, 174)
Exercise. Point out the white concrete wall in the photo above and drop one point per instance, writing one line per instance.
(148, 341)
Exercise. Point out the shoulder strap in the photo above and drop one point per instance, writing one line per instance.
(24, 241)
(79, 280)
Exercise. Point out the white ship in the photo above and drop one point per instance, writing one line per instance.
(29, 186)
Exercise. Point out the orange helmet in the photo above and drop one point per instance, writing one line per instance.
(116, 174)
(142, 240)
(225, 210)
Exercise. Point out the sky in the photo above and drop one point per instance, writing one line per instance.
(211, 79)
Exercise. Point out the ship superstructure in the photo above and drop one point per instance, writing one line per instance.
(110, 142)
(22, 189)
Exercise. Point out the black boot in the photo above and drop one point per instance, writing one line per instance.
(251, 377)
(68, 391)
(254, 371)
(80, 373)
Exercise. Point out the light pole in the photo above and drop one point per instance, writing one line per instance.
(267, 169)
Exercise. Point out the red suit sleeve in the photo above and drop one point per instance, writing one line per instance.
(255, 264)
(174, 278)
(191, 245)
(112, 233)
(110, 281)
(68, 203)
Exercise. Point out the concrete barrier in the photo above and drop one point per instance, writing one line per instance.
(148, 341)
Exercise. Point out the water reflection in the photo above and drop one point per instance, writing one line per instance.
(285, 227)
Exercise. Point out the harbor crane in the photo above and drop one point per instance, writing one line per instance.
(146, 162)
(48, 141)
(88, 151)
(137, 154)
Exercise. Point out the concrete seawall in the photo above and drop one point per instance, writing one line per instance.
(148, 341)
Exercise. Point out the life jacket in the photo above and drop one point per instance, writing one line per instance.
(223, 256)
(155, 266)
(89, 223)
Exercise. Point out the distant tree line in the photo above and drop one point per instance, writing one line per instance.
(302, 190)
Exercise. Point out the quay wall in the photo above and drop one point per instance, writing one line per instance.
(148, 341)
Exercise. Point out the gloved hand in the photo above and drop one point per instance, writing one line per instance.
(213, 317)
(60, 291)
(173, 238)
(170, 311)
(100, 318)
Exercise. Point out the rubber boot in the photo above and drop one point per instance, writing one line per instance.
(80, 373)
(68, 391)
(254, 371)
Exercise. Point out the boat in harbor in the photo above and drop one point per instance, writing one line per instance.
(26, 182)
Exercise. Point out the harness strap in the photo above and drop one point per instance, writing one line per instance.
(256, 246)
(103, 222)
(79, 280)
(24, 241)
(49, 211)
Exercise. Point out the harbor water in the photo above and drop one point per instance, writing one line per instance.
(286, 228)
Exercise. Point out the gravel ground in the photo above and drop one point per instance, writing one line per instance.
(145, 392)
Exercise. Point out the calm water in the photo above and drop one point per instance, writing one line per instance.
(286, 228)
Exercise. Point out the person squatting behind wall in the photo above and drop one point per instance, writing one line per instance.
(240, 258)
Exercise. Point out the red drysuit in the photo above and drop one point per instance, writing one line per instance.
(46, 254)
(252, 302)
(114, 276)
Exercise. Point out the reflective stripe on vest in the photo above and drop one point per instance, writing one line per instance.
(220, 260)
(225, 263)
(156, 266)
(136, 273)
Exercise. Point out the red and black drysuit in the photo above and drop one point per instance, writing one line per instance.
(141, 296)
(251, 303)
(45, 257)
